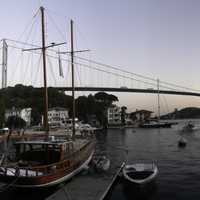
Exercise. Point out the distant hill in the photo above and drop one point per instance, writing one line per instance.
(185, 113)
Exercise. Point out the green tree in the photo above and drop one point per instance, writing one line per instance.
(123, 115)
(15, 122)
(2, 112)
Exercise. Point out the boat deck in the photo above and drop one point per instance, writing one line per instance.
(79, 143)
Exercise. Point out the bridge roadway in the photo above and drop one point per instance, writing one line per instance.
(134, 90)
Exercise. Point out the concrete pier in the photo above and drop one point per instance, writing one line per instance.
(83, 187)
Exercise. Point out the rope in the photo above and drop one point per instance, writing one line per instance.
(38, 69)
(141, 76)
(66, 193)
(57, 28)
(6, 187)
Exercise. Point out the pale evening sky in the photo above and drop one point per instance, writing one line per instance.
(155, 38)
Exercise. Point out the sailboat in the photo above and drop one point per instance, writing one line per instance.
(49, 161)
(158, 123)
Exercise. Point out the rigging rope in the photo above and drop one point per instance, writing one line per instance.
(58, 29)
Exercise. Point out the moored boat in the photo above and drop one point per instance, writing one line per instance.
(39, 164)
(182, 142)
(156, 125)
(189, 127)
(140, 173)
(50, 160)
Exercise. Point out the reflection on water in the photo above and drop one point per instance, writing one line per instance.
(179, 168)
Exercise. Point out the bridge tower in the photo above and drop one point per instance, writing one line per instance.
(4, 64)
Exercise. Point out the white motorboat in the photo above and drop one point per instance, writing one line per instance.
(189, 127)
(140, 173)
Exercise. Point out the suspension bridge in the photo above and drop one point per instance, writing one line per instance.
(19, 66)
(90, 75)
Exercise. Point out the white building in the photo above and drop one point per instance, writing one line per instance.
(114, 115)
(57, 116)
(24, 113)
(12, 112)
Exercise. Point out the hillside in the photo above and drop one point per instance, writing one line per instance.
(22, 96)
(27, 96)
(185, 113)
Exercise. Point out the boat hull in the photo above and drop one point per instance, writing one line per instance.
(139, 177)
(157, 125)
(63, 172)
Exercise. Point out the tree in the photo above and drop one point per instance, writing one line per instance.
(82, 108)
(112, 98)
(2, 112)
(105, 99)
(15, 122)
(123, 115)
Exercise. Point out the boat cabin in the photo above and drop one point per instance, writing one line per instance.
(42, 152)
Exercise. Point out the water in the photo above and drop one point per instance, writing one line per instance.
(179, 171)
(179, 168)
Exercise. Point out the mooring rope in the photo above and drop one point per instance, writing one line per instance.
(6, 187)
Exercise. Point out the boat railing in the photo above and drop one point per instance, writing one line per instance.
(34, 171)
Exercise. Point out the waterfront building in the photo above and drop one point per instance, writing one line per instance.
(24, 113)
(12, 112)
(141, 115)
(114, 115)
(57, 116)
(128, 119)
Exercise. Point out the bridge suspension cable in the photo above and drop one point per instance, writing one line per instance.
(112, 70)
(138, 75)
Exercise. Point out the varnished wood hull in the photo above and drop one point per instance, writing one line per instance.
(68, 168)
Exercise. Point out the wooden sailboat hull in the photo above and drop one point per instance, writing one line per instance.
(58, 173)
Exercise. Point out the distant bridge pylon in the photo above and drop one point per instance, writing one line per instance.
(4, 64)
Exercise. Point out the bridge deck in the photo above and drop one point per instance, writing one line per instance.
(131, 90)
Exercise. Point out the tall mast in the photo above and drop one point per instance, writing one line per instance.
(72, 52)
(73, 90)
(158, 99)
(45, 122)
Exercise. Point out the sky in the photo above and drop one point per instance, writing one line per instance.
(155, 38)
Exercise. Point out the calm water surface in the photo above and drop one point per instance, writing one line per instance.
(179, 168)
